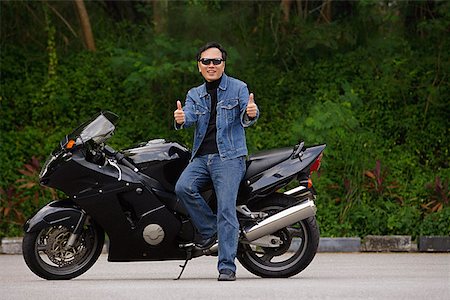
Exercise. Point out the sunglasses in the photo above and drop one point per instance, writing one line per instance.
(215, 61)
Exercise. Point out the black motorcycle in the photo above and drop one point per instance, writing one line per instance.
(130, 195)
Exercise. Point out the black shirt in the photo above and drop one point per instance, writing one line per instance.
(209, 143)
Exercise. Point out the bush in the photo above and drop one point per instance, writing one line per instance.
(379, 101)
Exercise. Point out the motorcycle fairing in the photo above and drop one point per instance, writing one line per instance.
(265, 182)
(129, 212)
(266, 159)
(58, 212)
(160, 160)
(131, 206)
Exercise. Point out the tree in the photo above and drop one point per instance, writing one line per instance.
(325, 11)
(85, 25)
(160, 8)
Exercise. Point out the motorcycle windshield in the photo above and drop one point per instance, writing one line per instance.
(98, 129)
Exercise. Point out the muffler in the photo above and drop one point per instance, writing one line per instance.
(280, 220)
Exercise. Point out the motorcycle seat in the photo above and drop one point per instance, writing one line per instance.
(261, 161)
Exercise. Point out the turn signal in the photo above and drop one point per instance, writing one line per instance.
(70, 144)
(309, 183)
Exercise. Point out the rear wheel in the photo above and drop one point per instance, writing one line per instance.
(46, 254)
(294, 246)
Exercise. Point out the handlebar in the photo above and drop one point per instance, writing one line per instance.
(126, 163)
(120, 158)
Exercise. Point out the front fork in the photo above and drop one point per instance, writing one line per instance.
(76, 231)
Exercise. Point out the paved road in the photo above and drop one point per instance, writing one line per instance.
(330, 276)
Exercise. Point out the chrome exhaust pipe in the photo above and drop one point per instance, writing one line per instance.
(280, 220)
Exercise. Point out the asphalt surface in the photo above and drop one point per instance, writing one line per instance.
(330, 276)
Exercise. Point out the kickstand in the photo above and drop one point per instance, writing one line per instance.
(188, 258)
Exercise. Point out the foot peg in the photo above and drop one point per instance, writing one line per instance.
(211, 250)
(185, 246)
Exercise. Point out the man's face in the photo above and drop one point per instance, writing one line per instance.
(211, 72)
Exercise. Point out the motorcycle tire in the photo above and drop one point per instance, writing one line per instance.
(45, 253)
(288, 258)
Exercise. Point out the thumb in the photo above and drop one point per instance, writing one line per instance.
(179, 105)
(251, 98)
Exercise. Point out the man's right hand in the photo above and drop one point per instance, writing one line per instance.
(179, 114)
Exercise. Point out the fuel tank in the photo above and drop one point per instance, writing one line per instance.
(161, 160)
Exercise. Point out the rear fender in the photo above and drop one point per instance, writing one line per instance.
(58, 212)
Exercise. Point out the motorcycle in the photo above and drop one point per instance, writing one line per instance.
(129, 195)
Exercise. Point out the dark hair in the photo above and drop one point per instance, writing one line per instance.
(212, 45)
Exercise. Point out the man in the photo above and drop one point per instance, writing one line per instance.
(220, 109)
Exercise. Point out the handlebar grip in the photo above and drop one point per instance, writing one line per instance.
(128, 164)
(122, 160)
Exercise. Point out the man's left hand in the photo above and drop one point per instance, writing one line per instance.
(252, 108)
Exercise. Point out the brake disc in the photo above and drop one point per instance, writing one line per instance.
(56, 247)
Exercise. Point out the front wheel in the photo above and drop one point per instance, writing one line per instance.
(46, 254)
(296, 245)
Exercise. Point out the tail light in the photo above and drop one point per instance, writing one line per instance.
(316, 164)
(306, 185)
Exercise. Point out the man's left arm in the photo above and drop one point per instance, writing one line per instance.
(249, 109)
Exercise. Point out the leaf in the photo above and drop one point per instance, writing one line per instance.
(393, 186)
(35, 162)
(369, 174)
(30, 168)
(19, 216)
(378, 168)
(26, 173)
(27, 185)
(437, 207)
(22, 200)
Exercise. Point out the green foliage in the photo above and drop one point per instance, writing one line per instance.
(436, 223)
(372, 84)
(24, 198)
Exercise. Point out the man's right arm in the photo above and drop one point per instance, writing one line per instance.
(184, 115)
(179, 117)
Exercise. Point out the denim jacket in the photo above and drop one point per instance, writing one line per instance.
(232, 99)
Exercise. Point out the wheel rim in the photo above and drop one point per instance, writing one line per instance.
(279, 259)
(52, 255)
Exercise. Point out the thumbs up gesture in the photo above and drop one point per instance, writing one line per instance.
(179, 114)
(252, 108)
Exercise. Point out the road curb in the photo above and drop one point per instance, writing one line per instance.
(391, 243)
(339, 244)
(434, 243)
(12, 245)
(371, 243)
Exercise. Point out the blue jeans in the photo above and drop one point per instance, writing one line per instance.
(226, 177)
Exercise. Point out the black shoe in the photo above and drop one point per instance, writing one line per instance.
(226, 275)
(207, 243)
